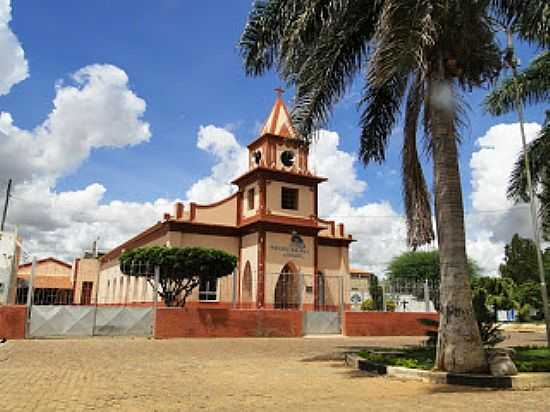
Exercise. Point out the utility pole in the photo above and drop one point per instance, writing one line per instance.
(512, 62)
(6, 202)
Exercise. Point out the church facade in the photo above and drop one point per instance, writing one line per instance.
(288, 257)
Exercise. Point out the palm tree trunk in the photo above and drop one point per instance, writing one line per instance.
(459, 347)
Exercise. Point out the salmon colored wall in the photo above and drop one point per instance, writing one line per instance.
(299, 155)
(222, 214)
(306, 200)
(249, 253)
(386, 323)
(246, 212)
(47, 268)
(88, 271)
(334, 262)
(217, 322)
(12, 321)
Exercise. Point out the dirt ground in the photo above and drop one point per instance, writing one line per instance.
(138, 374)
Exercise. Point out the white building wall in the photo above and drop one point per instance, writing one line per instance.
(8, 265)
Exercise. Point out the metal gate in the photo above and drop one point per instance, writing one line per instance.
(321, 323)
(70, 320)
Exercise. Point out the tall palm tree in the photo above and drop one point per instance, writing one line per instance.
(534, 87)
(417, 56)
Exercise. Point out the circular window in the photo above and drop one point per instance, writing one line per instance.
(257, 156)
(287, 157)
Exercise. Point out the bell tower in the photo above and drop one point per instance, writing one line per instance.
(279, 147)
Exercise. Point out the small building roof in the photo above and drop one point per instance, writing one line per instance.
(48, 259)
(360, 271)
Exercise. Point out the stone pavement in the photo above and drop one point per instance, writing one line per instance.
(223, 375)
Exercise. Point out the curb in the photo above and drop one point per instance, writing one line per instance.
(523, 381)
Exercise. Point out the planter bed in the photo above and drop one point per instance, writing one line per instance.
(416, 364)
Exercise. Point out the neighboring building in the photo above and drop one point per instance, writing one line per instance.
(9, 257)
(52, 282)
(86, 274)
(287, 255)
(360, 284)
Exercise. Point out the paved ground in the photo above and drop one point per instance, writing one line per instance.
(225, 375)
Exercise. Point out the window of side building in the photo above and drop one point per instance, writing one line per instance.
(250, 199)
(289, 198)
(208, 290)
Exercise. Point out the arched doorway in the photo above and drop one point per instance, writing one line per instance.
(287, 292)
(246, 291)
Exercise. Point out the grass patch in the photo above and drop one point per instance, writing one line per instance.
(527, 358)
(532, 359)
(414, 358)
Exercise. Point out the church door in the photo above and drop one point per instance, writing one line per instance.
(287, 292)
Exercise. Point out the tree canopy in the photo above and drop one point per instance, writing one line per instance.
(520, 261)
(180, 268)
(421, 265)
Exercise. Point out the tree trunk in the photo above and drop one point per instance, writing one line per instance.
(459, 347)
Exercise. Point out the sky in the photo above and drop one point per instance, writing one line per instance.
(112, 111)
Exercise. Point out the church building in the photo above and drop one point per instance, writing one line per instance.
(288, 257)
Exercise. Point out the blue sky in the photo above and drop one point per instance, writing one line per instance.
(181, 58)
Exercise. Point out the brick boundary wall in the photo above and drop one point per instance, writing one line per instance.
(12, 321)
(386, 323)
(228, 323)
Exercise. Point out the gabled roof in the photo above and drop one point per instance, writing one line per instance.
(279, 122)
(48, 259)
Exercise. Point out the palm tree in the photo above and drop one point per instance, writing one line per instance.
(417, 57)
(534, 87)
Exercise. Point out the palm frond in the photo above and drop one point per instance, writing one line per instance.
(259, 43)
(533, 84)
(529, 18)
(415, 192)
(324, 75)
(404, 35)
(381, 108)
(538, 152)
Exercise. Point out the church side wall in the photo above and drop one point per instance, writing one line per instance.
(223, 213)
(334, 264)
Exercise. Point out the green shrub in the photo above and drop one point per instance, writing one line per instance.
(523, 313)
(368, 304)
(390, 306)
(532, 359)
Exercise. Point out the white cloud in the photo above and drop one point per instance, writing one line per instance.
(65, 224)
(494, 218)
(231, 161)
(13, 65)
(99, 110)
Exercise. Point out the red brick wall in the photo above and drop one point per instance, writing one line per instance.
(386, 323)
(12, 321)
(220, 322)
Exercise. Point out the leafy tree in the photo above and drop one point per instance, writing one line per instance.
(181, 269)
(420, 57)
(421, 265)
(520, 261)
